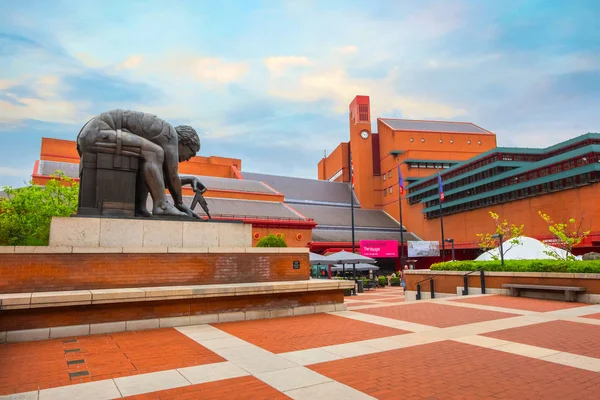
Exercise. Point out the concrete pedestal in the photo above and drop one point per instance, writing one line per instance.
(136, 232)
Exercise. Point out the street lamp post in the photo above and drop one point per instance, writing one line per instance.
(499, 237)
(451, 241)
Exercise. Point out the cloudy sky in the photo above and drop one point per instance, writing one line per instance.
(270, 81)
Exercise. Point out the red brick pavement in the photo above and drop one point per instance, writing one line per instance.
(245, 388)
(451, 370)
(435, 314)
(571, 337)
(42, 365)
(593, 316)
(303, 332)
(375, 297)
(521, 303)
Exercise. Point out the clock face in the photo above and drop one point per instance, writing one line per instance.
(364, 134)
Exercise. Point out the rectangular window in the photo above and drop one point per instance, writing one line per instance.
(385, 192)
(384, 177)
(391, 189)
(390, 174)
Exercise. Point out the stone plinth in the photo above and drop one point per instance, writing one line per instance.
(138, 232)
(54, 268)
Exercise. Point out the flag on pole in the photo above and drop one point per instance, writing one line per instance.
(441, 188)
(352, 171)
(400, 181)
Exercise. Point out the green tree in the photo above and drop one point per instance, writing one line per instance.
(510, 232)
(26, 213)
(567, 236)
(272, 241)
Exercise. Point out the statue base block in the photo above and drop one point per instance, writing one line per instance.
(147, 232)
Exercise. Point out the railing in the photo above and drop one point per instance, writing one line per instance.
(465, 291)
(431, 287)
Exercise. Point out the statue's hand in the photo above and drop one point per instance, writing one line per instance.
(183, 208)
(197, 185)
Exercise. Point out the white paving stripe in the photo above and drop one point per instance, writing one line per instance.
(89, 391)
(278, 371)
(21, 396)
(389, 322)
(212, 372)
(152, 382)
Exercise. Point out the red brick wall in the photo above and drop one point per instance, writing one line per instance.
(21, 273)
(449, 283)
(98, 313)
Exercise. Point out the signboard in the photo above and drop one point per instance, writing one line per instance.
(296, 264)
(423, 249)
(379, 248)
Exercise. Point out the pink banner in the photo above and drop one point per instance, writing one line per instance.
(379, 248)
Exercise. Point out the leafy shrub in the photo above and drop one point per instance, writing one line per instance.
(383, 281)
(567, 266)
(272, 241)
(26, 212)
(395, 281)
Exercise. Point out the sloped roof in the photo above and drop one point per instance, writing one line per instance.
(241, 208)
(50, 167)
(432, 126)
(345, 235)
(342, 216)
(305, 190)
(240, 185)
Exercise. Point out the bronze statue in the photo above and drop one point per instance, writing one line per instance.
(146, 145)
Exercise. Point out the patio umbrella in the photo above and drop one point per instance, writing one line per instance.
(318, 259)
(345, 257)
(359, 267)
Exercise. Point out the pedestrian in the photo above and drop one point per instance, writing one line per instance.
(403, 278)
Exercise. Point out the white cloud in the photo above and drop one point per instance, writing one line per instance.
(350, 49)
(5, 84)
(39, 109)
(131, 62)
(89, 60)
(46, 108)
(219, 70)
(279, 65)
(335, 85)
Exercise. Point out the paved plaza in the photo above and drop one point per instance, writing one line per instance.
(480, 347)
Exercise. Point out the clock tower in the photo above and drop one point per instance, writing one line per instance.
(361, 148)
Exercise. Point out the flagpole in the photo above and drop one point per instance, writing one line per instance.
(400, 190)
(352, 209)
(442, 217)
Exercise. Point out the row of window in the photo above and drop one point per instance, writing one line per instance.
(560, 184)
(468, 180)
(451, 141)
(541, 172)
(509, 157)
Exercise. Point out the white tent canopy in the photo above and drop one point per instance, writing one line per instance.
(318, 259)
(345, 257)
(528, 249)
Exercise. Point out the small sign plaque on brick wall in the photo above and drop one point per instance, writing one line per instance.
(296, 264)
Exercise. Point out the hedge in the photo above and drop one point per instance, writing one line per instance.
(582, 267)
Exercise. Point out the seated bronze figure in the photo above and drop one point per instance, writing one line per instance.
(158, 147)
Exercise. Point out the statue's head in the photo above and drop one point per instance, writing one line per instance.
(189, 142)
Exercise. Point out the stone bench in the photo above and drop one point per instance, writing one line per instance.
(569, 291)
(48, 315)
